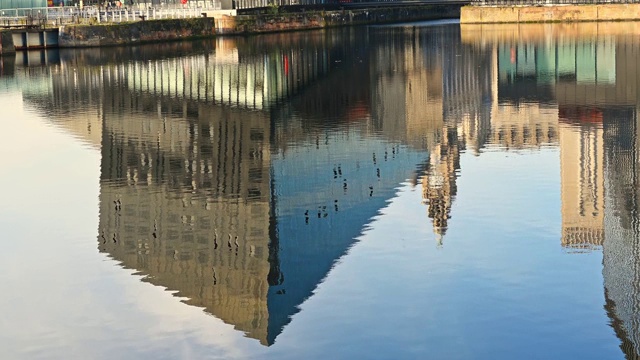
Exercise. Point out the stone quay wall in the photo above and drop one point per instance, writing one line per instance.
(6, 43)
(135, 32)
(552, 13)
(251, 24)
(179, 29)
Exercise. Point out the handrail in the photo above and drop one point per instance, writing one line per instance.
(56, 16)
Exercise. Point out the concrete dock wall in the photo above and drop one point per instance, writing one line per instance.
(135, 32)
(555, 13)
(249, 24)
(6, 43)
(178, 29)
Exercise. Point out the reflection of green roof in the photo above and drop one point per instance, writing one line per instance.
(587, 62)
(546, 62)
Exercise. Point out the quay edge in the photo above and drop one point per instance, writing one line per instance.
(478, 14)
(150, 31)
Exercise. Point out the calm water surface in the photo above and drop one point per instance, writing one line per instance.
(421, 191)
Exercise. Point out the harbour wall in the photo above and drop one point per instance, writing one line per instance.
(552, 13)
(6, 43)
(250, 24)
(81, 35)
(135, 32)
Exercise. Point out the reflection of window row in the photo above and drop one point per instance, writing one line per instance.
(219, 154)
(192, 251)
(195, 214)
(582, 237)
(255, 83)
(523, 135)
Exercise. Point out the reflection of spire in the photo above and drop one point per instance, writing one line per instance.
(439, 184)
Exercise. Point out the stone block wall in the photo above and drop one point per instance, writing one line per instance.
(249, 24)
(550, 13)
(162, 30)
(6, 43)
(135, 32)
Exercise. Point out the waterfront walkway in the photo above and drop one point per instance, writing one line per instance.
(56, 16)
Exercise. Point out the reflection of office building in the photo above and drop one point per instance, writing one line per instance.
(582, 181)
(621, 250)
(194, 182)
(184, 222)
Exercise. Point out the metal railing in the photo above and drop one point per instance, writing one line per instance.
(548, 2)
(56, 16)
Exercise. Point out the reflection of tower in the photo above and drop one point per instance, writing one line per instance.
(439, 183)
(621, 249)
(582, 178)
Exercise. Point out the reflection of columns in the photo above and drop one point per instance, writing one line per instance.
(582, 185)
(253, 82)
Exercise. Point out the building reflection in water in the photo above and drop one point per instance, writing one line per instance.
(236, 173)
(213, 182)
(593, 81)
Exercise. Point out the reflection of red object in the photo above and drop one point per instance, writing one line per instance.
(580, 115)
(358, 111)
(513, 55)
(286, 65)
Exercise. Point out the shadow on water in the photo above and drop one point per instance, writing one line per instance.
(238, 171)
